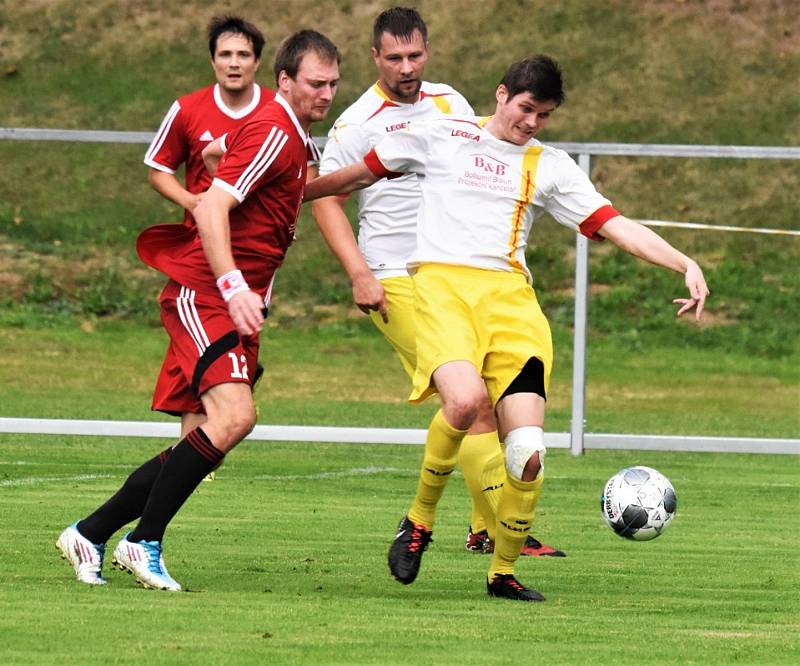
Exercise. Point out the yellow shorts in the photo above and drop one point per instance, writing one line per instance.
(400, 331)
(490, 318)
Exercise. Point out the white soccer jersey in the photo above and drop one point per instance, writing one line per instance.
(481, 195)
(387, 211)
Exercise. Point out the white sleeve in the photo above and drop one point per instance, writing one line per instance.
(461, 107)
(571, 197)
(347, 144)
(406, 150)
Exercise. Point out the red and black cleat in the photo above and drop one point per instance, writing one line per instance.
(405, 553)
(477, 542)
(535, 548)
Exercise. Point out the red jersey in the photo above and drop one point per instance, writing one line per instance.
(193, 122)
(264, 168)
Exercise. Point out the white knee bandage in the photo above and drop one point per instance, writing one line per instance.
(521, 444)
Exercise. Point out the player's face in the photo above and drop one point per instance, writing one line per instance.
(520, 118)
(312, 91)
(234, 63)
(401, 65)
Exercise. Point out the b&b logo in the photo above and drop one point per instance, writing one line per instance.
(489, 164)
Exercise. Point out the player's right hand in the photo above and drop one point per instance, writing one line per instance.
(368, 294)
(245, 309)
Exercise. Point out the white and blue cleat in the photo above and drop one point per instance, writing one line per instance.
(84, 556)
(144, 559)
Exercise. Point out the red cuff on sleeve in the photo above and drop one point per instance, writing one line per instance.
(375, 165)
(592, 224)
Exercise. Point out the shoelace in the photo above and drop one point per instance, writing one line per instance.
(511, 582)
(418, 535)
(154, 560)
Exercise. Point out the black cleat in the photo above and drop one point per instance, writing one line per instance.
(508, 587)
(405, 553)
(535, 548)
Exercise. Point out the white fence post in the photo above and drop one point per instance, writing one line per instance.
(579, 335)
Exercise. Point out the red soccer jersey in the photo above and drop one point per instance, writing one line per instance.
(264, 168)
(193, 122)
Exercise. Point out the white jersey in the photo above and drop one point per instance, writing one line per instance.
(481, 195)
(387, 211)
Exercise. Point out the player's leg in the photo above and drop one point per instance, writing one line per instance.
(230, 418)
(461, 389)
(521, 416)
(215, 363)
(83, 543)
(481, 446)
(517, 371)
(448, 355)
(481, 461)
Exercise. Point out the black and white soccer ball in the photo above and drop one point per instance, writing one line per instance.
(638, 503)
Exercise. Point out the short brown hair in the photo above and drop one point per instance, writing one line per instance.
(538, 75)
(292, 49)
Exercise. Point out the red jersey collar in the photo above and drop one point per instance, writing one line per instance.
(290, 112)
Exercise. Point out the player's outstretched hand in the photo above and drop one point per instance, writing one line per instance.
(368, 294)
(245, 309)
(698, 292)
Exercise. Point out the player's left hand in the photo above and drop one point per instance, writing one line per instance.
(698, 291)
(246, 311)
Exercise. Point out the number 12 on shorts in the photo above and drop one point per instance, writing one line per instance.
(238, 366)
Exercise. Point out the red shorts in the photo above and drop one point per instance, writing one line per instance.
(204, 350)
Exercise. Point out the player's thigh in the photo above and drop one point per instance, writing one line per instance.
(520, 331)
(445, 324)
(400, 330)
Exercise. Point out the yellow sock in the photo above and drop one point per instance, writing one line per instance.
(477, 455)
(441, 451)
(515, 514)
(493, 480)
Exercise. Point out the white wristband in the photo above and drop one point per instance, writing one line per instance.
(231, 283)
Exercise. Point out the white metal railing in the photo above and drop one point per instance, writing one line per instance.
(584, 153)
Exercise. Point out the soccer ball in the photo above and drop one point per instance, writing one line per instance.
(638, 503)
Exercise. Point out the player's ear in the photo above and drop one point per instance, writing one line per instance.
(258, 64)
(501, 94)
(283, 80)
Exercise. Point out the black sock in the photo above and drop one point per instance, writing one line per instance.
(191, 460)
(126, 504)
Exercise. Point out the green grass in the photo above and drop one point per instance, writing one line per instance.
(65, 368)
(284, 560)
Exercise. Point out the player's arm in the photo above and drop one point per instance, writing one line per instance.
(368, 292)
(646, 244)
(213, 153)
(213, 224)
(354, 177)
(169, 187)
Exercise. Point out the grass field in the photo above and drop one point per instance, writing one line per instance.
(71, 368)
(284, 560)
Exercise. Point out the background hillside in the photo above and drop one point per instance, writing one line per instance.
(670, 71)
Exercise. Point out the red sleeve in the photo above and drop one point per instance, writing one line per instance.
(256, 154)
(170, 147)
(375, 165)
(592, 224)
